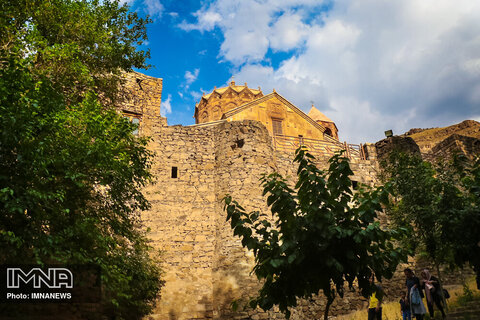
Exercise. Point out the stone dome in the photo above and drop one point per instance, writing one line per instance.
(213, 105)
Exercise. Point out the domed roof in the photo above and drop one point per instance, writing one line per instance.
(234, 87)
(212, 106)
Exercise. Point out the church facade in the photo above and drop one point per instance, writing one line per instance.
(277, 114)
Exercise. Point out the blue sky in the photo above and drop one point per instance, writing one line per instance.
(370, 65)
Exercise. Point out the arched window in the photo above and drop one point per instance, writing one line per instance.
(217, 113)
(204, 117)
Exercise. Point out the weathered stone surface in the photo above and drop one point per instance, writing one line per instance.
(455, 144)
(397, 143)
(206, 268)
(140, 98)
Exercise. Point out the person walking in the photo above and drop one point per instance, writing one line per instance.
(431, 285)
(414, 294)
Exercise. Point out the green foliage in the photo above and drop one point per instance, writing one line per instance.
(77, 44)
(462, 227)
(320, 235)
(440, 205)
(70, 169)
(422, 203)
(467, 293)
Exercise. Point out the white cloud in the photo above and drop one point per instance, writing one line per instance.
(154, 8)
(370, 65)
(166, 106)
(197, 95)
(250, 27)
(190, 77)
(206, 21)
(287, 32)
(128, 2)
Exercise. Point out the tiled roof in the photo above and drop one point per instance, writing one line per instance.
(317, 115)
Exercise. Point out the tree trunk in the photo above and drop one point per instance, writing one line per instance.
(327, 307)
(440, 284)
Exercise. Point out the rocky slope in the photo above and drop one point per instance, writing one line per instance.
(427, 139)
(435, 143)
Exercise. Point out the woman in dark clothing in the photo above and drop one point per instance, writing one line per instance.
(413, 283)
(431, 285)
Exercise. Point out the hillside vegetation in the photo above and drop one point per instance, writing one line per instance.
(428, 138)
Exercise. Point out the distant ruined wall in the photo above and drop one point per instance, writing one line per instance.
(205, 266)
(140, 98)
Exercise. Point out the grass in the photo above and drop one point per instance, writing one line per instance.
(466, 295)
(440, 133)
(427, 133)
(391, 310)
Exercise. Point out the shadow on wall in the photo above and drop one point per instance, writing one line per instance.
(204, 309)
(225, 298)
(207, 303)
(234, 284)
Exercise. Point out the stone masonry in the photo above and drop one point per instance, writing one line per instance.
(140, 98)
(205, 266)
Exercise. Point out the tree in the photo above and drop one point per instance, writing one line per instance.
(71, 171)
(439, 204)
(321, 234)
(78, 45)
(423, 203)
(462, 228)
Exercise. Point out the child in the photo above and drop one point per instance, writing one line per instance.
(375, 301)
(405, 308)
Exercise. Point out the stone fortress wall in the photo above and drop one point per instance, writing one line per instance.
(205, 266)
